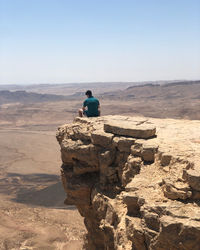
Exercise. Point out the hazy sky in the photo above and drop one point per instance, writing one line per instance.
(60, 41)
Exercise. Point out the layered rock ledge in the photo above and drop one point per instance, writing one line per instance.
(135, 180)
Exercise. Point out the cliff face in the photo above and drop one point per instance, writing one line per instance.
(136, 181)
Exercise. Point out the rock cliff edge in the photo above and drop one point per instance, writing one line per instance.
(135, 180)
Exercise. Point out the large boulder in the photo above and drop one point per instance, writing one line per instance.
(131, 129)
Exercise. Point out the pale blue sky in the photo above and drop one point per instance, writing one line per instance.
(60, 41)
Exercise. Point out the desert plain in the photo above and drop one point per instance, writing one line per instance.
(33, 214)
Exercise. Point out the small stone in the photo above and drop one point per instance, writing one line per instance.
(137, 147)
(123, 143)
(177, 191)
(165, 159)
(131, 200)
(99, 137)
(148, 152)
(193, 178)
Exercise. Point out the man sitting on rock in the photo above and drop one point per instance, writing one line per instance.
(91, 106)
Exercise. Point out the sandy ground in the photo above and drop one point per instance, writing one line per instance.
(32, 212)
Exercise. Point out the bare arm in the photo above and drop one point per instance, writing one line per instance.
(99, 110)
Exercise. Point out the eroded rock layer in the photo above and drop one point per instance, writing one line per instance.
(136, 181)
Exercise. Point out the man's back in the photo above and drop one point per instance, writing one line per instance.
(92, 105)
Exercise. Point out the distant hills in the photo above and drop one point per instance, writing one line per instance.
(171, 100)
(184, 89)
(68, 89)
(22, 96)
(177, 99)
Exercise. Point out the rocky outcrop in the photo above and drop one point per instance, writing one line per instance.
(136, 181)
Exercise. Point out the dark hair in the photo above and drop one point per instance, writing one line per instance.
(89, 93)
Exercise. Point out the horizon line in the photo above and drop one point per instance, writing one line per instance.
(93, 82)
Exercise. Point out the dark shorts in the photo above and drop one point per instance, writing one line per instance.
(85, 112)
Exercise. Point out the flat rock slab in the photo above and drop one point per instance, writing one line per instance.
(126, 128)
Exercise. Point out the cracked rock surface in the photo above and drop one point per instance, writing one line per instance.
(135, 180)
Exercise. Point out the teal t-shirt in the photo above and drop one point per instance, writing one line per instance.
(92, 104)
